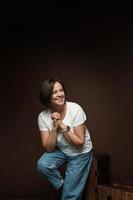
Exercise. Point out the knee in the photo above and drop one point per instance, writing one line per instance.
(40, 166)
(43, 167)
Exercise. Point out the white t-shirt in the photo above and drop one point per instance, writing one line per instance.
(74, 116)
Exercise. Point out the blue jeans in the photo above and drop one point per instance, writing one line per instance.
(76, 174)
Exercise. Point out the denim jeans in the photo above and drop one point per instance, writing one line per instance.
(76, 174)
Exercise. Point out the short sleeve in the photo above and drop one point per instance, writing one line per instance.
(79, 118)
(41, 123)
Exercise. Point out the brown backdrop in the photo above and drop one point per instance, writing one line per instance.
(92, 54)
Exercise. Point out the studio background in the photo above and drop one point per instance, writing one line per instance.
(91, 52)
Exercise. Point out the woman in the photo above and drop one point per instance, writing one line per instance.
(65, 138)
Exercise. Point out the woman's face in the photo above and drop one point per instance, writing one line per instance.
(58, 95)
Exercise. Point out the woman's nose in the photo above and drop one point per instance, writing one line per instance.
(59, 93)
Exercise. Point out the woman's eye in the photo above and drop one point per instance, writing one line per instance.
(54, 92)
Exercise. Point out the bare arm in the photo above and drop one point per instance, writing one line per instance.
(76, 137)
(49, 138)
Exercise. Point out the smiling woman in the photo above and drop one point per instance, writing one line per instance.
(65, 138)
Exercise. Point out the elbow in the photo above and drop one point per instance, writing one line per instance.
(79, 144)
(48, 149)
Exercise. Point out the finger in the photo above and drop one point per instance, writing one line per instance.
(55, 122)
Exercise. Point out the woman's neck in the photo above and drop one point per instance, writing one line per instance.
(60, 109)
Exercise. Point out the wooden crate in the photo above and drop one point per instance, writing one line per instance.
(99, 174)
(127, 186)
(109, 193)
(129, 195)
(124, 184)
(114, 193)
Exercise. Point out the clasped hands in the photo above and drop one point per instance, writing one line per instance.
(57, 121)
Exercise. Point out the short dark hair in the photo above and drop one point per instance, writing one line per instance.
(46, 91)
